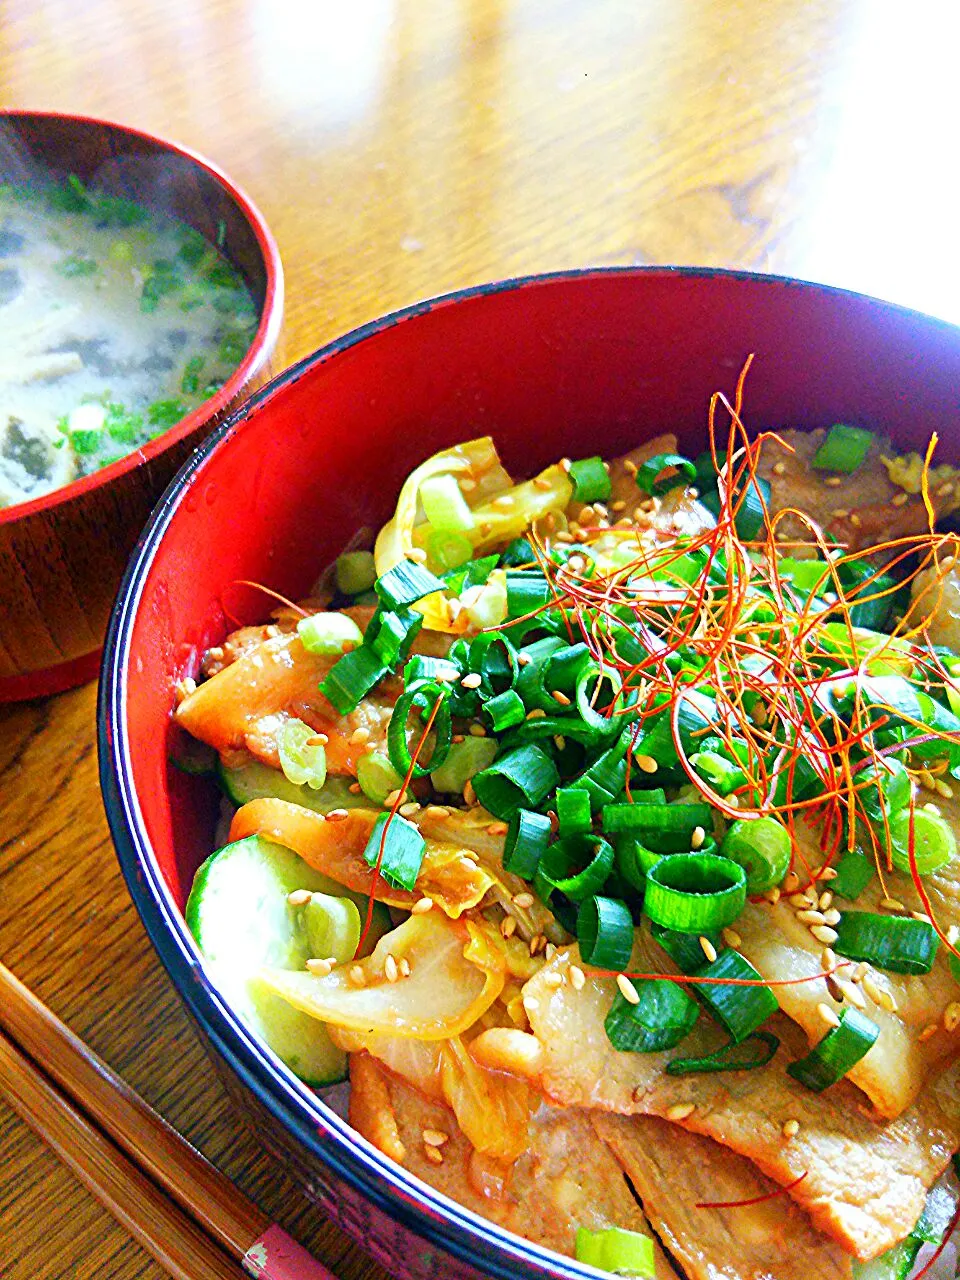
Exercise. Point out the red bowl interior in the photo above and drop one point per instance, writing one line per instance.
(575, 364)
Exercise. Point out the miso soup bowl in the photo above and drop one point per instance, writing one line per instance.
(62, 555)
(576, 364)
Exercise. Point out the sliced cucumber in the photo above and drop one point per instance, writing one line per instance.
(239, 914)
(257, 781)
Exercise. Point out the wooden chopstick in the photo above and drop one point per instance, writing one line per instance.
(176, 1242)
(160, 1155)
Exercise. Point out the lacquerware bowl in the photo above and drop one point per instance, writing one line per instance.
(576, 364)
(62, 555)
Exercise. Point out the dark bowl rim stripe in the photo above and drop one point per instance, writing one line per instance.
(253, 362)
(441, 1221)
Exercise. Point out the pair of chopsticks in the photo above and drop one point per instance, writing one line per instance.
(177, 1205)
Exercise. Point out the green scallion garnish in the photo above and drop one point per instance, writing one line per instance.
(695, 892)
(844, 449)
(590, 480)
(663, 1015)
(839, 1050)
(403, 848)
(898, 944)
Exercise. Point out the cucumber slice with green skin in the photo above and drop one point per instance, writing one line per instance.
(240, 917)
(257, 781)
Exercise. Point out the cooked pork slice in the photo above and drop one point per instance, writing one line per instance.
(568, 1178)
(864, 1180)
(866, 494)
(673, 1171)
(905, 1055)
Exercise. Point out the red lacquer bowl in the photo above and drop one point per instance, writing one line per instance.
(576, 364)
(62, 555)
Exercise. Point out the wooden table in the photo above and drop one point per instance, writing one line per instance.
(401, 148)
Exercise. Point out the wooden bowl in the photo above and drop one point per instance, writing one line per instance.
(576, 364)
(62, 555)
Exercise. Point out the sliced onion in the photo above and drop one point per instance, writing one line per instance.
(444, 994)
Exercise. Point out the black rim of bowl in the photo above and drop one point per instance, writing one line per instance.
(445, 1224)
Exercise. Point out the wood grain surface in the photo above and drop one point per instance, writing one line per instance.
(401, 148)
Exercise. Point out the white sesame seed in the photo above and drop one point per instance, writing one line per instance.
(360, 734)
(405, 967)
(831, 917)
(679, 1111)
(779, 468)
(472, 680)
(852, 993)
(337, 815)
(421, 907)
(531, 1004)
(553, 980)
(900, 499)
(433, 1154)
(523, 900)
(951, 1016)
(560, 698)
(791, 1128)
(319, 968)
(299, 897)
(810, 917)
(435, 1137)
(823, 933)
(627, 989)
(791, 883)
(508, 926)
(390, 968)
(828, 873)
(497, 829)
(892, 904)
(827, 959)
(436, 811)
(697, 838)
(409, 809)
(357, 977)
(928, 1032)
(708, 949)
(646, 763)
(578, 978)
(826, 900)
(731, 937)
(921, 916)
(828, 1015)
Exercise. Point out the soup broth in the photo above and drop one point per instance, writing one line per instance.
(115, 322)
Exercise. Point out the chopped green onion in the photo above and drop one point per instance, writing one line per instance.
(523, 778)
(527, 837)
(633, 860)
(519, 554)
(328, 633)
(423, 697)
(839, 1050)
(933, 841)
(494, 659)
(844, 449)
(665, 828)
(896, 943)
(352, 677)
(356, 571)
(578, 867)
(685, 949)
(854, 872)
(762, 847)
(391, 633)
(464, 760)
(505, 710)
(755, 1051)
(423, 667)
(449, 550)
(740, 1010)
(472, 574)
(527, 591)
(651, 478)
(590, 480)
(300, 762)
(444, 504)
(573, 810)
(377, 776)
(405, 584)
(624, 1253)
(664, 1015)
(605, 932)
(403, 849)
(590, 693)
(695, 892)
(749, 506)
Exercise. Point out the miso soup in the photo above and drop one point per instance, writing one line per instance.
(115, 321)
